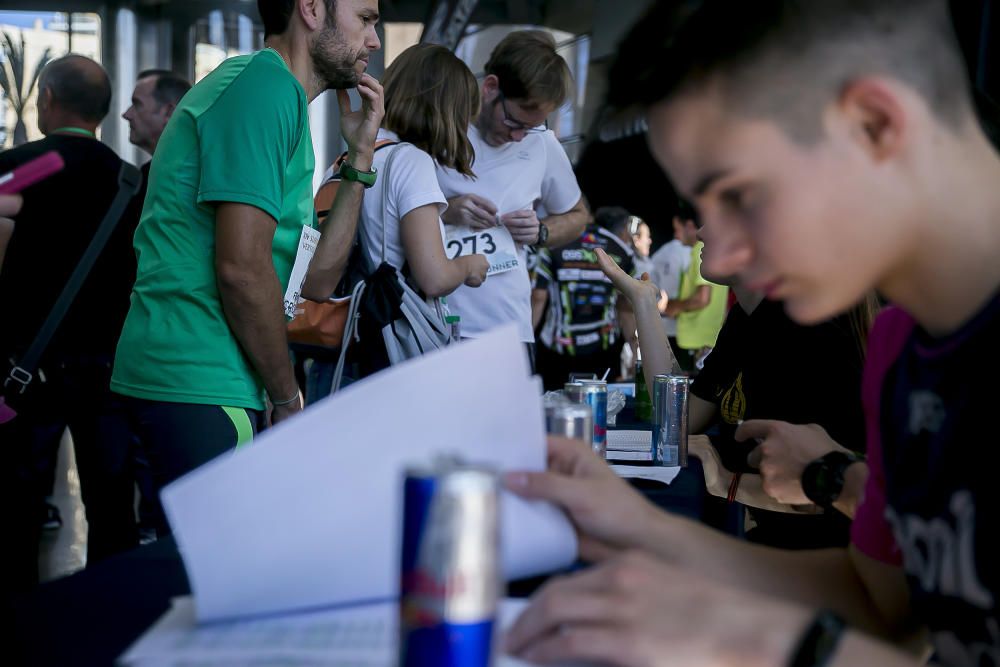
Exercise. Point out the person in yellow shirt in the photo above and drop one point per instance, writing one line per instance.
(700, 308)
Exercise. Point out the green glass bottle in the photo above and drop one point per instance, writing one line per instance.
(643, 402)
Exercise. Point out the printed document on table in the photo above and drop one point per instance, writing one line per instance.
(309, 515)
(361, 636)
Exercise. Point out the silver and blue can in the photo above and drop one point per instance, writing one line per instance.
(670, 410)
(450, 566)
(570, 420)
(595, 394)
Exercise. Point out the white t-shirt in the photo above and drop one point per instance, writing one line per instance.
(532, 173)
(669, 263)
(412, 183)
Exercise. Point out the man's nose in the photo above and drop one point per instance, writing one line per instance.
(727, 252)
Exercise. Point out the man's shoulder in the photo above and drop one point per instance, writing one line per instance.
(256, 81)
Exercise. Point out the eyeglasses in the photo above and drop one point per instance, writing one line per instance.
(516, 125)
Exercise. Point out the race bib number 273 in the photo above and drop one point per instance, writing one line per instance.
(495, 243)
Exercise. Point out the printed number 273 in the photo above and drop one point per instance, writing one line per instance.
(456, 246)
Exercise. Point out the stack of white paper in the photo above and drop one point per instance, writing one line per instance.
(363, 636)
(309, 516)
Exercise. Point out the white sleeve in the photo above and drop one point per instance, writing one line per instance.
(560, 191)
(413, 182)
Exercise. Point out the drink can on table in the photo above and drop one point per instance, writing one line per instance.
(571, 420)
(670, 409)
(450, 566)
(595, 394)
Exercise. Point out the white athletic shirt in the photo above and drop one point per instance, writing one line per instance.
(669, 263)
(532, 173)
(412, 183)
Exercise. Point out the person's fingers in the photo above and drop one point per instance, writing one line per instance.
(611, 269)
(754, 429)
(576, 598)
(10, 204)
(368, 93)
(594, 550)
(554, 487)
(597, 643)
(754, 457)
(484, 203)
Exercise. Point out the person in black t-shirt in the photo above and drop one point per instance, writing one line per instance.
(585, 324)
(767, 367)
(54, 227)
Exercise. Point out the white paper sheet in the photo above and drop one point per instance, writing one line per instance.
(665, 474)
(364, 636)
(309, 515)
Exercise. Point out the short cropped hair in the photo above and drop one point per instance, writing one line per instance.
(79, 85)
(529, 69)
(170, 87)
(276, 14)
(430, 98)
(786, 59)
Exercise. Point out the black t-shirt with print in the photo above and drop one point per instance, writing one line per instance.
(941, 454)
(581, 317)
(765, 366)
(53, 229)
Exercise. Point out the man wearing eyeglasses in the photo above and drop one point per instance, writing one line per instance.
(525, 192)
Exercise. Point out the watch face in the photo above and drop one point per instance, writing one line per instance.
(823, 479)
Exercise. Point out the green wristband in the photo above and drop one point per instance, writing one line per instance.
(365, 178)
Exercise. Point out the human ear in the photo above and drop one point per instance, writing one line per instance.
(876, 115)
(312, 13)
(491, 86)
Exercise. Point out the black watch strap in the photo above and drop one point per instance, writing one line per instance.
(819, 642)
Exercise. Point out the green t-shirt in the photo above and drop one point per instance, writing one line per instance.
(699, 328)
(240, 135)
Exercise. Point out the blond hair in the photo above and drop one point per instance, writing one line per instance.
(430, 99)
(529, 70)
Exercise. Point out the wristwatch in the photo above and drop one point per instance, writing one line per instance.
(823, 479)
(543, 235)
(365, 178)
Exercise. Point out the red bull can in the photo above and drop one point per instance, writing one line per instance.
(450, 566)
(595, 394)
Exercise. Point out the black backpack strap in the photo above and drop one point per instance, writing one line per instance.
(23, 372)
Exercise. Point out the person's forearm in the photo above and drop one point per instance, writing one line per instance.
(657, 357)
(448, 277)
(626, 320)
(252, 305)
(334, 248)
(566, 227)
(823, 578)
(854, 486)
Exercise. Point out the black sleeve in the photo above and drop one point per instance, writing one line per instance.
(721, 366)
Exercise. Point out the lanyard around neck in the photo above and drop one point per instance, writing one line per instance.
(75, 130)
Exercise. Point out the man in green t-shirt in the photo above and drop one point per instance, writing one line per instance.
(228, 213)
(700, 306)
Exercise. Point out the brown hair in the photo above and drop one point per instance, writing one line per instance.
(430, 99)
(529, 69)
